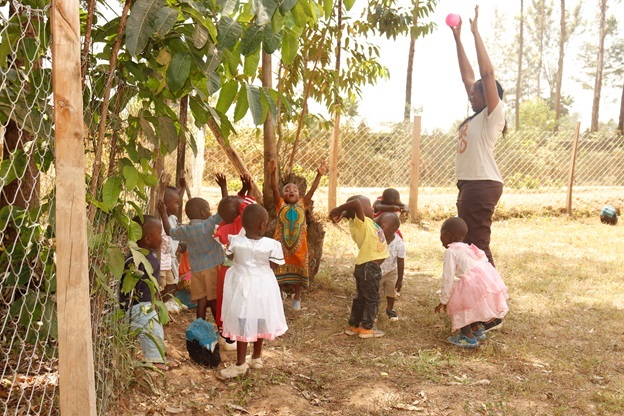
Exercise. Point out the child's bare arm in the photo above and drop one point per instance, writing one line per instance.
(222, 182)
(273, 173)
(322, 170)
(162, 210)
(379, 206)
(182, 185)
(247, 188)
(273, 265)
(400, 271)
(354, 205)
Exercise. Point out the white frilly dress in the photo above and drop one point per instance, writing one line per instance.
(252, 301)
(480, 295)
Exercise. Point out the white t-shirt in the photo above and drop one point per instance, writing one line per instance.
(168, 248)
(396, 249)
(475, 146)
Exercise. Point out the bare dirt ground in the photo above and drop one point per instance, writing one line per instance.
(558, 353)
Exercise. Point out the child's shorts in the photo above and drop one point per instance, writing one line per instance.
(166, 278)
(388, 283)
(204, 284)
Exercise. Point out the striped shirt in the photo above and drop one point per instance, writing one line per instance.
(204, 250)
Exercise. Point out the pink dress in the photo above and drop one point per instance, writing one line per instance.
(480, 294)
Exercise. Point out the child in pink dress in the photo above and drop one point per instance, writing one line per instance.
(479, 296)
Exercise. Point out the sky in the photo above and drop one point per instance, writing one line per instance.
(437, 86)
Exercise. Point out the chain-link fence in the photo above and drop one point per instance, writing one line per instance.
(535, 166)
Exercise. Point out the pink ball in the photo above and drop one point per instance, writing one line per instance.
(452, 19)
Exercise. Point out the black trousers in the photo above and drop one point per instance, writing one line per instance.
(366, 302)
(475, 205)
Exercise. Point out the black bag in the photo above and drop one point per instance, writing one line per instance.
(202, 355)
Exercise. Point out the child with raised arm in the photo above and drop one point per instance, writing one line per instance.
(205, 253)
(373, 250)
(252, 303)
(393, 267)
(389, 201)
(137, 300)
(168, 209)
(230, 209)
(480, 295)
(291, 230)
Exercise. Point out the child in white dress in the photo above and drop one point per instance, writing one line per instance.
(252, 302)
(479, 296)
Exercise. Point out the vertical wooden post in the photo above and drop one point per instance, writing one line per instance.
(572, 165)
(333, 163)
(75, 347)
(415, 169)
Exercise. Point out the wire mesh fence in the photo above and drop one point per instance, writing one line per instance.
(535, 166)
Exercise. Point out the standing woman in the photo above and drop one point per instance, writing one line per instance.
(479, 181)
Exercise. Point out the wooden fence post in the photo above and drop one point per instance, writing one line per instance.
(75, 346)
(415, 169)
(333, 163)
(572, 165)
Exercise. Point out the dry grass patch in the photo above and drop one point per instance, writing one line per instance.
(559, 352)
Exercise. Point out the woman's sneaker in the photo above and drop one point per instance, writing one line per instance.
(463, 341)
(353, 330)
(493, 325)
(392, 315)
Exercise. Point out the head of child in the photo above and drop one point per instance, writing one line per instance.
(453, 230)
(151, 232)
(229, 208)
(366, 205)
(172, 200)
(391, 196)
(389, 223)
(197, 209)
(290, 193)
(255, 220)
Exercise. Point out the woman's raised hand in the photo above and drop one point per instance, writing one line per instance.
(473, 22)
(457, 28)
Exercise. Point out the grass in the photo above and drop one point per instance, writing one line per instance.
(559, 352)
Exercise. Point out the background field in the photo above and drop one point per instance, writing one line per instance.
(559, 351)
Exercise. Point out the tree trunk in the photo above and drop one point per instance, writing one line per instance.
(270, 144)
(562, 38)
(181, 156)
(407, 111)
(621, 122)
(519, 78)
(599, 67)
(540, 48)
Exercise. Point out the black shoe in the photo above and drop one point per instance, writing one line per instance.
(392, 315)
(495, 324)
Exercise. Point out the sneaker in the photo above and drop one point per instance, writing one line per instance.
(463, 341)
(296, 305)
(371, 333)
(392, 315)
(353, 330)
(255, 363)
(493, 325)
(234, 370)
(479, 334)
(227, 344)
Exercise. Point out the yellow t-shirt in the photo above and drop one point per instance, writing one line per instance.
(369, 238)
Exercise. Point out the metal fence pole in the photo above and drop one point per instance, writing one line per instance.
(415, 169)
(75, 347)
(572, 165)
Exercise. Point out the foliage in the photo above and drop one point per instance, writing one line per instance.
(536, 115)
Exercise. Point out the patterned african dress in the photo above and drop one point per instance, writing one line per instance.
(291, 230)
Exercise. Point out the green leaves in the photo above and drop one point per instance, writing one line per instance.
(165, 19)
(110, 192)
(270, 39)
(178, 70)
(251, 40)
(290, 45)
(168, 133)
(253, 98)
(229, 32)
(228, 92)
(141, 24)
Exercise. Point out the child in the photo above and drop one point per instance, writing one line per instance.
(230, 209)
(392, 268)
(372, 252)
(291, 230)
(252, 303)
(168, 209)
(479, 296)
(137, 301)
(205, 253)
(389, 201)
